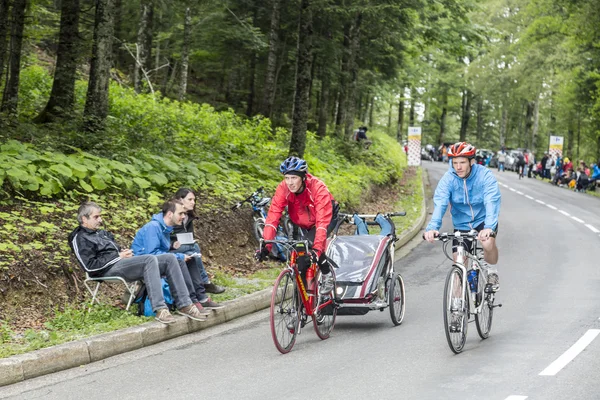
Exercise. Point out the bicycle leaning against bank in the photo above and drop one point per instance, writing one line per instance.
(466, 292)
(298, 295)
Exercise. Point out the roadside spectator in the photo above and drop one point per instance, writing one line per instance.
(99, 255)
(520, 164)
(583, 180)
(188, 197)
(154, 238)
(444, 153)
(568, 165)
(361, 136)
(526, 161)
(543, 163)
(548, 167)
(501, 160)
(531, 163)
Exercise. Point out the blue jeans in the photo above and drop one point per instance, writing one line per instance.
(190, 249)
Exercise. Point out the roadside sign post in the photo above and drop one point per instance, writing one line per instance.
(414, 146)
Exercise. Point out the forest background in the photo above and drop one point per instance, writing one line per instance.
(122, 102)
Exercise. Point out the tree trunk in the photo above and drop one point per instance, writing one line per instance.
(96, 103)
(528, 123)
(465, 114)
(269, 88)
(443, 117)
(400, 118)
(479, 118)
(503, 125)
(371, 111)
(62, 96)
(353, 76)
(303, 68)
(144, 44)
(536, 124)
(4, 5)
(322, 128)
(185, 53)
(341, 112)
(251, 94)
(411, 113)
(10, 99)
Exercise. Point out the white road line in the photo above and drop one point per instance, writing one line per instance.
(529, 197)
(578, 220)
(551, 206)
(519, 192)
(570, 354)
(564, 213)
(516, 397)
(541, 202)
(512, 190)
(593, 230)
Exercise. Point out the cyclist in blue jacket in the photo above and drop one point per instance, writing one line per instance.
(474, 196)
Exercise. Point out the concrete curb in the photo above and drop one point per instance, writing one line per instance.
(74, 354)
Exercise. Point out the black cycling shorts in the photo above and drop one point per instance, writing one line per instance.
(468, 243)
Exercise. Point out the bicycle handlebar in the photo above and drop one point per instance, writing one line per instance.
(390, 214)
(247, 199)
(445, 236)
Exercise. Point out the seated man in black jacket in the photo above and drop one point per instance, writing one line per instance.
(99, 255)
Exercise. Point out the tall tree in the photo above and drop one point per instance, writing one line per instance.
(303, 78)
(10, 99)
(465, 114)
(400, 117)
(62, 95)
(96, 103)
(4, 9)
(185, 53)
(270, 82)
(144, 43)
(353, 74)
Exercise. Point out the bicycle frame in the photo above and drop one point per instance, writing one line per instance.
(308, 299)
(463, 259)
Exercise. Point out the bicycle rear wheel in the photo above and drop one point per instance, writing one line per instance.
(456, 310)
(396, 299)
(284, 312)
(325, 310)
(258, 228)
(483, 320)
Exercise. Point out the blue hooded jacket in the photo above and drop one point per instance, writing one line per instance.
(154, 238)
(474, 200)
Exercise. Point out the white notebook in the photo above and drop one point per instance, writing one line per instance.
(185, 238)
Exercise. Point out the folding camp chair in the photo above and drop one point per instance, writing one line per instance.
(131, 287)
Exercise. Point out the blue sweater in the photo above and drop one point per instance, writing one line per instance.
(474, 200)
(154, 238)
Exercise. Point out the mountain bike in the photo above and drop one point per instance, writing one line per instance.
(466, 292)
(260, 207)
(297, 296)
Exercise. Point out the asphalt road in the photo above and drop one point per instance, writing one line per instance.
(543, 342)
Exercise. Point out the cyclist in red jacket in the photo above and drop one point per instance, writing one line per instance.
(310, 206)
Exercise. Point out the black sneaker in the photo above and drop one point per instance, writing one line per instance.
(214, 289)
(493, 284)
(211, 305)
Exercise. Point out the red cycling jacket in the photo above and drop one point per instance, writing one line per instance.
(310, 208)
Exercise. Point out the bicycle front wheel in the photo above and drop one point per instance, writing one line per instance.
(456, 310)
(284, 312)
(258, 228)
(396, 299)
(483, 320)
(325, 310)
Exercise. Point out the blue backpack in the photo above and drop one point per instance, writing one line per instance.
(143, 301)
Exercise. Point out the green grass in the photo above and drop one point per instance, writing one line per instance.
(411, 201)
(67, 325)
(74, 323)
